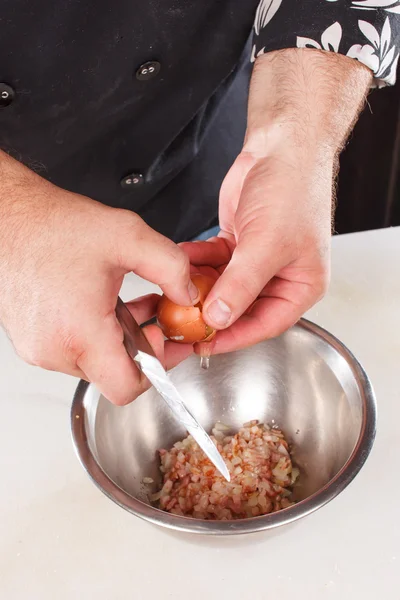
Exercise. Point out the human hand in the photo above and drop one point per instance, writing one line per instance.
(273, 256)
(62, 261)
(276, 201)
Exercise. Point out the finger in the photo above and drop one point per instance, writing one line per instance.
(170, 354)
(155, 337)
(268, 318)
(254, 262)
(74, 371)
(143, 308)
(208, 271)
(205, 348)
(107, 364)
(213, 252)
(155, 258)
(176, 353)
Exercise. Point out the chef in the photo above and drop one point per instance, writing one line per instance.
(127, 127)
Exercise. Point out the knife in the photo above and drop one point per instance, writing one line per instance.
(141, 352)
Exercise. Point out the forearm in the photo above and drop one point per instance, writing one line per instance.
(309, 97)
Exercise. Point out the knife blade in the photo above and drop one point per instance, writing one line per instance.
(143, 355)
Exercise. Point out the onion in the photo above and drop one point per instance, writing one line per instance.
(295, 475)
(253, 500)
(155, 497)
(261, 476)
(221, 426)
(283, 450)
(185, 324)
(250, 423)
(219, 436)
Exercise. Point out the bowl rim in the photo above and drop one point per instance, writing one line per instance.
(285, 516)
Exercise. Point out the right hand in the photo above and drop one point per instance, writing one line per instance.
(63, 258)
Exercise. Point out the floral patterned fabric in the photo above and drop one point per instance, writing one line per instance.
(366, 30)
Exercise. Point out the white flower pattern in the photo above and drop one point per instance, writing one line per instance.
(381, 56)
(330, 39)
(265, 11)
(387, 5)
(375, 43)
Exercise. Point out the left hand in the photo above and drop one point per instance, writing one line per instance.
(273, 249)
(276, 201)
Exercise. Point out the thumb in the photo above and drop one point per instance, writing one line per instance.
(254, 262)
(155, 258)
(231, 188)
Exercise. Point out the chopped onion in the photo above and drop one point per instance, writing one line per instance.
(261, 475)
(221, 426)
(155, 497)
(219, 436)
(295, 475)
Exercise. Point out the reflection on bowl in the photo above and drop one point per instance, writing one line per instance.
(305, 381)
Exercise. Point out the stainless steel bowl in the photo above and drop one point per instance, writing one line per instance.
(305, 381)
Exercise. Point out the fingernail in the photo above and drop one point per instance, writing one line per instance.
(219, 312)
(193, 292)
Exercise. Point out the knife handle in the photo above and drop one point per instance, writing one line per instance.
(134, 338)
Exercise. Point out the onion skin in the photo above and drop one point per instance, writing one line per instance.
(185, 324)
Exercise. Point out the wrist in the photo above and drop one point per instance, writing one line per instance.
(284, 142)
(307, 100)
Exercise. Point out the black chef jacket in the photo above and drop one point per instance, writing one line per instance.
(141, 105)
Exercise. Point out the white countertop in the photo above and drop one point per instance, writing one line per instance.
(61, 538)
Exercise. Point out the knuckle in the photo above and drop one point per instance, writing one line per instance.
(250, 288)
(44, 351)
(247, 279)
(245, 287)
(133, 221)
(129, 388)
(33, 355)
(320, 285)
(73, 349)
(130, 225)
(24, 354)
(126, 393)
(122, 399)
(179, 265)
(127, 227)
(181, 262)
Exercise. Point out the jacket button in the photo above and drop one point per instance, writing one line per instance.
(148, 70)
(7, 95)
(132, 180)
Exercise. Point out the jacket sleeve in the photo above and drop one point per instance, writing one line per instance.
(365, 30)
